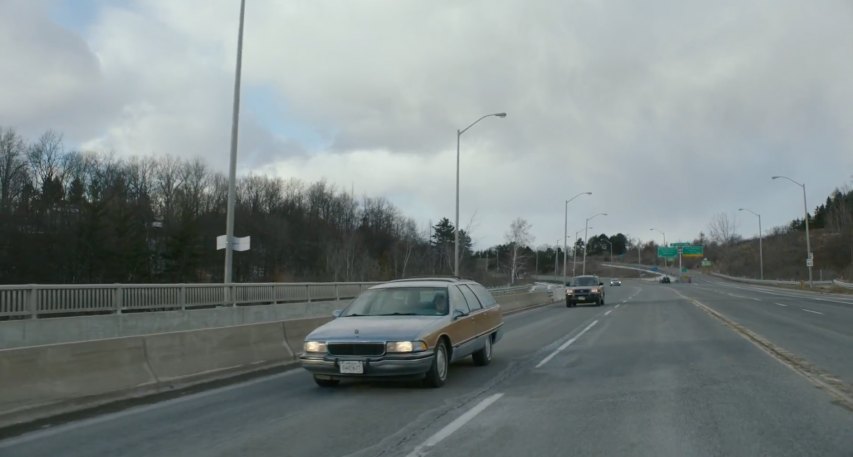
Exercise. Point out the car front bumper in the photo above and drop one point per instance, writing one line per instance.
(402, 365)
(582, 298)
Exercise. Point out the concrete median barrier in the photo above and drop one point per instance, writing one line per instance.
(47, 380)
(42, 381)
(518, 302)
(182, 356)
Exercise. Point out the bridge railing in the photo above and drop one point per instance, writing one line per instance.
(34, 300)
(31, 301)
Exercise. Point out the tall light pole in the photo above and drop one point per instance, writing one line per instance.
(809, 257)
(586, 236)
(456, 237)
(565, 231)
(639, 251)
(232, 167)
(575, 251)
(556, 258)
(665, 263)
(760, 236)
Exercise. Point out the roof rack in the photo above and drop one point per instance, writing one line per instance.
(431, 278)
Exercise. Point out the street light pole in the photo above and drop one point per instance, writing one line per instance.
(232, 167)
(760, 248)
(586, 237)
(639, 251)
(809, 256)
(565, 231)
(575, 252)
(556, 258)
(665, 263)
(456, 235)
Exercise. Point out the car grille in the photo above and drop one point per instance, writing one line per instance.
(581, 291)
(356, 348)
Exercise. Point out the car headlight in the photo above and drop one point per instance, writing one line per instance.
(405, 346)
(314, 346)
(569, 291)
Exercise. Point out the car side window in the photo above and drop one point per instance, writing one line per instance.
(484, 295)
(457, 300)
(473, 302)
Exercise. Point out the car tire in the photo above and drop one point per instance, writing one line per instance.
(437, 374)
(484, 356)
(326, 382)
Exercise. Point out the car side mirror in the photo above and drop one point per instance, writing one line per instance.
(601, 284)
(457, 314)
(337, 312)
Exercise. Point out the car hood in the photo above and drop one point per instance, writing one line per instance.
(377, 328)
(584, 287)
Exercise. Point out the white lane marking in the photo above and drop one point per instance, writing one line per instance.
(458, 423)
(757, 299)
(608, 312)
(810, 311)
(566, 344)
(781, 304)
(616, 306)
(75, 425)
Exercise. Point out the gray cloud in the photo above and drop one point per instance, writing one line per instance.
(669, 111)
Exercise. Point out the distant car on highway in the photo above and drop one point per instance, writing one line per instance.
(405, 328)
(585, 289)
(615, 282)
(665, 280)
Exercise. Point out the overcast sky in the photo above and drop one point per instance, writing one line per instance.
(667, 111)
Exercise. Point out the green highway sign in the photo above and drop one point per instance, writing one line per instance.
(679, 245)
(693, 251)
(706, 263)
(668, 252)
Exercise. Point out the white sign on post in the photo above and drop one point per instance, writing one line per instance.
(242, 244)
(810, 262)
(238, 244)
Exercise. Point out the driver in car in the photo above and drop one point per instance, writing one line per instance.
(440, 303)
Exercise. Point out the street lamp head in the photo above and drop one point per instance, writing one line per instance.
(500, 114)
(587, 193)
(740, 209)
(775, 177)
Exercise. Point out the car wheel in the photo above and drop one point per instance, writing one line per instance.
(437, 374)
(568, 304)
(325, 382)
(484, 356)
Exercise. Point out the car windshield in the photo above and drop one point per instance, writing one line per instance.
(586, 281)
(400, 301)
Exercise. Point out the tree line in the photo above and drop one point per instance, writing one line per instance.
(784, 247)
(82, 217)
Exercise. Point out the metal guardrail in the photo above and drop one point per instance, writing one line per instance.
(31, 301)
(845, 285)
(777, 282)
(509, 290)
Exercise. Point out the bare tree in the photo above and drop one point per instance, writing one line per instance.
(13, 167)
(518, 237)
(722, 229)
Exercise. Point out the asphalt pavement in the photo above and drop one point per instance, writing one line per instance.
(649, 373)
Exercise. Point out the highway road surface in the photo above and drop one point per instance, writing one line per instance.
(698, 369)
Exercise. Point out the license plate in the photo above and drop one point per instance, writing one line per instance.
(351, 367)
(581, 298)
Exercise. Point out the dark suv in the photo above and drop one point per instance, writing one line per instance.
(584, 289)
